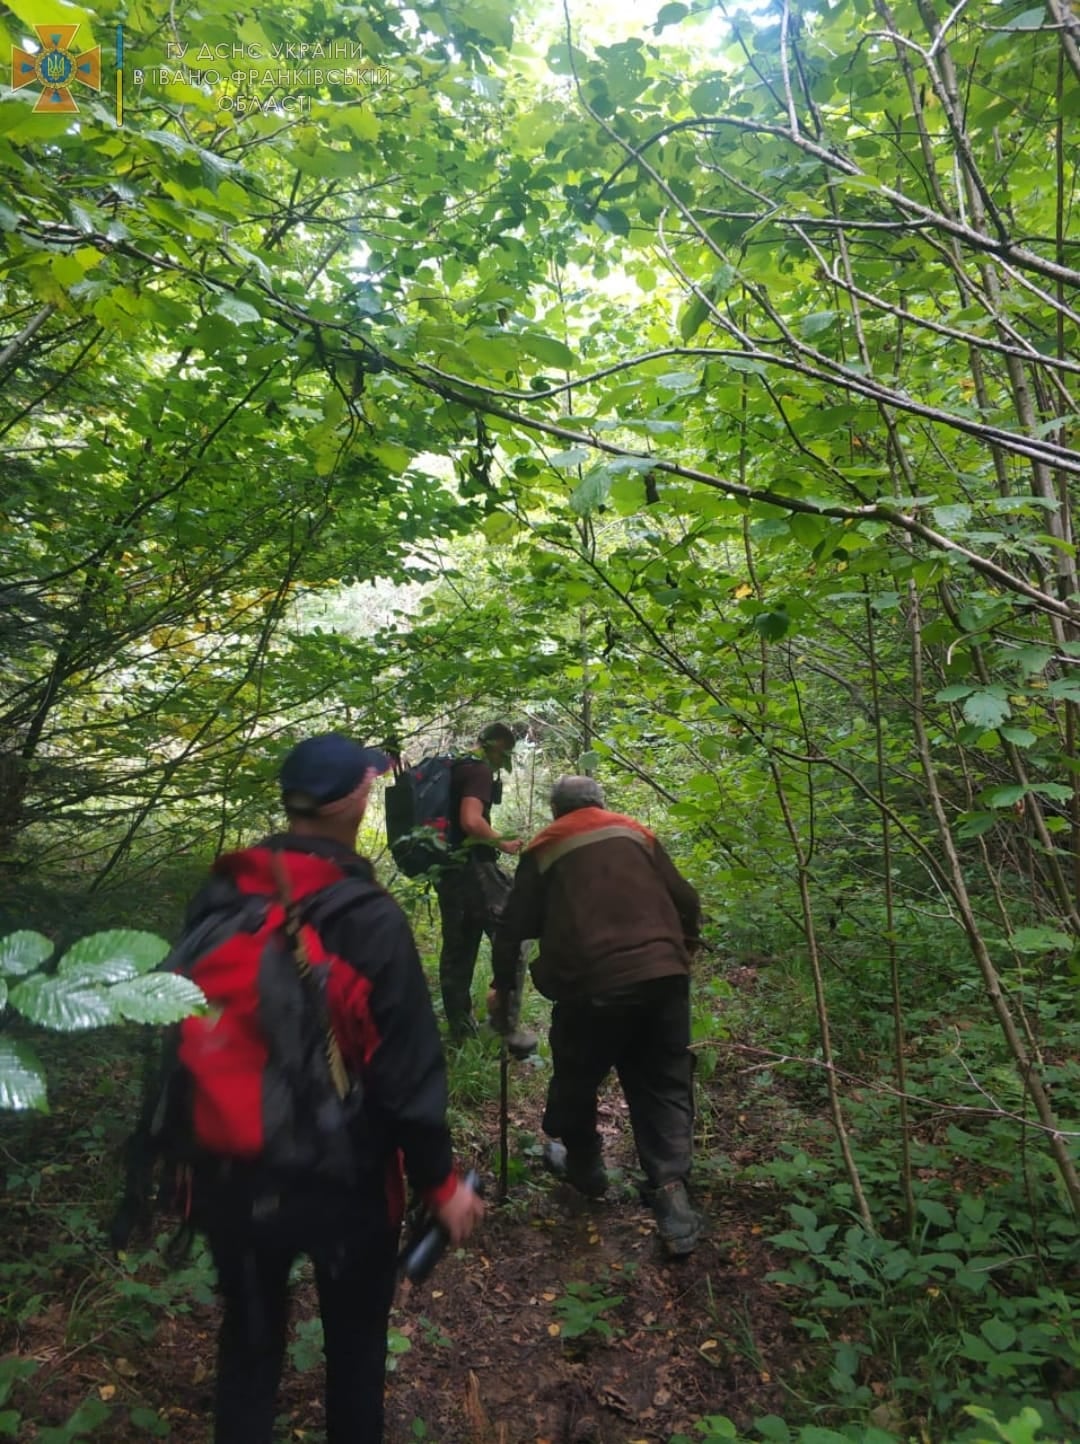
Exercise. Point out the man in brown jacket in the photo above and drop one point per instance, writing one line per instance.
(616, 923)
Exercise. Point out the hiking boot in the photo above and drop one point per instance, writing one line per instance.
(678, 1224)
(522, 1043)
(585, 1172)
(462, 1028)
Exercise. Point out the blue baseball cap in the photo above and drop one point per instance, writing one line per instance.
(323, 769)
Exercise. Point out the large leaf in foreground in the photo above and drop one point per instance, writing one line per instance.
(159, 998)
(113, 956)
(22, 952)
(65, 1005)
(22, 1078)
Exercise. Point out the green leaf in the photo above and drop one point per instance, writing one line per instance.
(773, 1428)
(973, 824)
(988, 708)
(951, 517)
(936, 1212)
(614, 221)
(573, 457)
(670, 14)
(591, 491)
(150, 1421)
(157, 998)
(499, 527)
(954, 693)
(998, 1333)
(1018, 736)
(1055, 791)
(1005, 796)
(1040, 940)
(166, 139)
(817, 323)
(491, 19)
(22, 1078)
(1027, 20)
(240, 312)
(547, 349)
(63, 1004)
(694, 315)
(110, 957)
(772, 625)
(88, 1416)
(22, 952)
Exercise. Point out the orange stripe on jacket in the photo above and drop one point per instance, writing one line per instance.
(583, 820)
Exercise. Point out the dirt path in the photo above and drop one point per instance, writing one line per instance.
(487, 1354)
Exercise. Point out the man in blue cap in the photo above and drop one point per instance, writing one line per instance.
(379, 1022)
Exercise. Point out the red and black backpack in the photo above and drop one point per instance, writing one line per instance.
(259, 1077)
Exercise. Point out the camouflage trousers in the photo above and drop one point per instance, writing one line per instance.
(472, 896)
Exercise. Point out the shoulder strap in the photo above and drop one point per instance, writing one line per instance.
(232, 914)
(339, 1074)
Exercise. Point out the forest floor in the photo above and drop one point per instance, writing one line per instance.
(561, 1322)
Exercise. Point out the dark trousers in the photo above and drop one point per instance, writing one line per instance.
(472, 897)
(354, 1272)
(643, 1033)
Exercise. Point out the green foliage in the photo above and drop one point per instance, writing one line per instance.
(104, 978)
(1023, 1428)
(581, 1311)
(85, 1420)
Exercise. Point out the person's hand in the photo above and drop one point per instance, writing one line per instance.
(511, 844)
(461, 1212)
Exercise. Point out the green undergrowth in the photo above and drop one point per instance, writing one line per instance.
(913, 1324)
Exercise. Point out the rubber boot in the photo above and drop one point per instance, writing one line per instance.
(678, 1224)
(583, 1171)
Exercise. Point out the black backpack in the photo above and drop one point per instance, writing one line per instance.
(419, 829)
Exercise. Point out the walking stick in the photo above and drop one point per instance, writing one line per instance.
(504, 1106)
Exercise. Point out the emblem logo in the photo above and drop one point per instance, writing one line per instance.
(56, 67)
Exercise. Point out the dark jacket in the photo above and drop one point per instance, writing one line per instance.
(379, 1003)
(607, 903)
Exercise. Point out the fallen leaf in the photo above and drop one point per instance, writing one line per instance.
(554, 1330)
(548, 1297)
(708, 1344)
(201, 1373)
(436, 1293)
(765, 1376)
(106, 1391)
(125, 1367)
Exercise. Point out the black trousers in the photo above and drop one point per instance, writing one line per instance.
(355, 1267)
(472, 897)
(643, 1033)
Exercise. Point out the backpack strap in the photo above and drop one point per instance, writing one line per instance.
(339, 1074)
